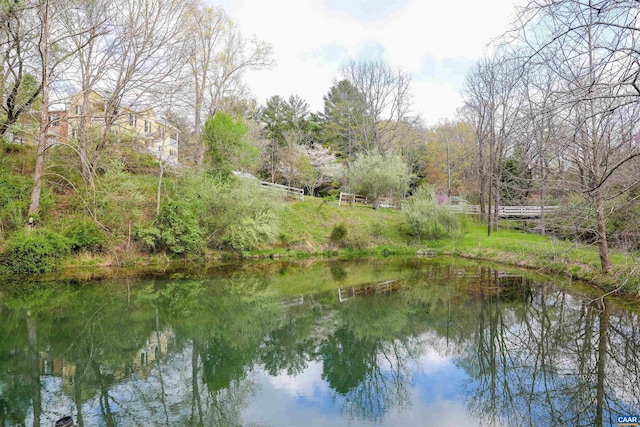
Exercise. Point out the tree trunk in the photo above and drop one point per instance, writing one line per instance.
(600, 365)
(496, 204)
(43, 47)
(482, 179)
(34, 369)
(159, 188)
(603, 245)
(83, 136)
(200, 150)
(489, 210)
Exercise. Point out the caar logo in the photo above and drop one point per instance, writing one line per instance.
(628, 420)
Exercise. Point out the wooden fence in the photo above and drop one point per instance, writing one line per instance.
(290, 191)
(357, 199)
(506, 212)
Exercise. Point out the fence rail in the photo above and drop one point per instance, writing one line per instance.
(358, 199)
(293, 191)
(506, 211)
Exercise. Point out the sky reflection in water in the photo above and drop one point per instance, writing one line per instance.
(432, 343)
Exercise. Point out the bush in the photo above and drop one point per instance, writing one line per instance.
(425, 219)
(84, 235)
(250, 231)
(375, 176)
(15, 191)
(338, 233)
(176, 231)
(234, 214)
(35, 253)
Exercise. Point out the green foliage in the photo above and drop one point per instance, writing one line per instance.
(122, 200)
(249, 231)
(425, 219)
(339, 232)
(15, 191)
(344, 110)
(233, 214)
(376, 176)
(176, 231)
(35, 253)
(227, 145)
(138, 163)
(515, 182)
(84, 235)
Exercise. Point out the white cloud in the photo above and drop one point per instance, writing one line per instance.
(312, 38)
(308, 383)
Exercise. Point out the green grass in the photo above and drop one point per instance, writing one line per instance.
(305, 229)
(306, 226)
(549, 254)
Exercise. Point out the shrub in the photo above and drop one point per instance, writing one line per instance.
(122, 199)
(425, 219)
(35, 253)
(338, 233)
(84, 235)
(376, 176)
(250, 231)
(14, 200)
(176, 231)
(234, 214)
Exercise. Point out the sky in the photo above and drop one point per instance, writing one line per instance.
(437, 42)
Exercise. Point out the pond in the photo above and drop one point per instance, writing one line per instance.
(434, 342)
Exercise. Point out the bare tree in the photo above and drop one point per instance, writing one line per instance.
(386, 98)
(91, 62)
(51, 36)
(141, 50)
(494, 103)
(591, 49)
(18, 63)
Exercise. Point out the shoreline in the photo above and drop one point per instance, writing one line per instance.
(88, 267)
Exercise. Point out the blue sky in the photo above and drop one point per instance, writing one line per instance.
(435, 41)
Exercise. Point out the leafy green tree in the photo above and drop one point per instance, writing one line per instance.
(377, 176)
(227, 143)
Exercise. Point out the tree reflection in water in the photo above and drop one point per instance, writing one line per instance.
(194, 352)
(559, 360)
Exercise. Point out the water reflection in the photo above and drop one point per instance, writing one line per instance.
(391, 343)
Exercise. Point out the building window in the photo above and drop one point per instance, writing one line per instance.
(161, 132)
(147, 126)
(133, 120)
(54, 120)
(74, 133)
(78, 109)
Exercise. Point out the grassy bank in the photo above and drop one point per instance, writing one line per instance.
(306, 227)
(104, 226)
(306, 231)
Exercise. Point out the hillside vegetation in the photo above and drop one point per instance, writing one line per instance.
(203, 219)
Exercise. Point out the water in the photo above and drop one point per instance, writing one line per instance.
(365, 343)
